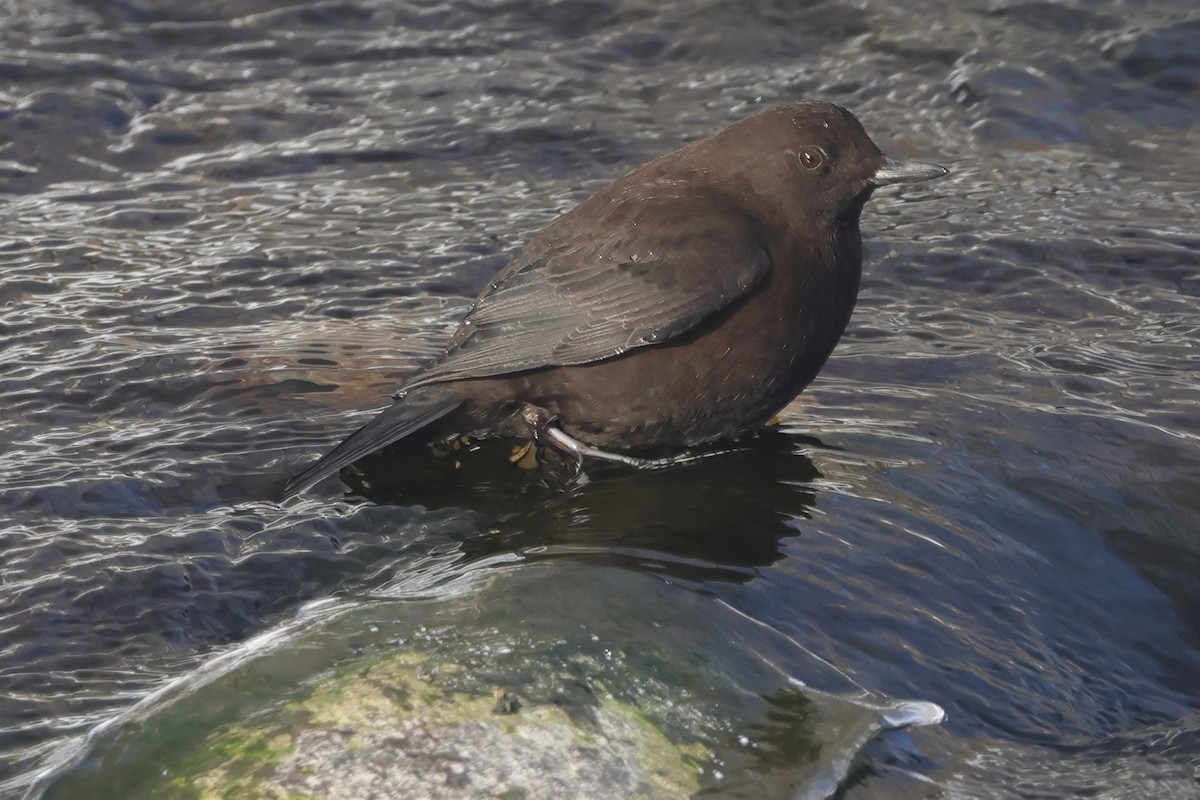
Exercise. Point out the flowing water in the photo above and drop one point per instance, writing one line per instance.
(229, 229)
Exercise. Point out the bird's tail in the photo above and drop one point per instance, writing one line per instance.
(392, 424)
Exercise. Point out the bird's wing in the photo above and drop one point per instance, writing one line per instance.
(568, 299)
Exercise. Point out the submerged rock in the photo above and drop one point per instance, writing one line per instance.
(397, 730)
(493, 688)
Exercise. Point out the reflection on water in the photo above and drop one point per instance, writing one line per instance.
(226, 231)
(754, 495)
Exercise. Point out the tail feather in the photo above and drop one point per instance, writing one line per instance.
(391, 424)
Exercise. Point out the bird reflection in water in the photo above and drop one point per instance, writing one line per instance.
(714, 518)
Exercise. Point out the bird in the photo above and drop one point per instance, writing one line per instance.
(681, 305)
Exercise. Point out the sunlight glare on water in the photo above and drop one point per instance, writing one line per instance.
(229, 231)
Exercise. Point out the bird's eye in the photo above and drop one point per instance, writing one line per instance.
(811, 157)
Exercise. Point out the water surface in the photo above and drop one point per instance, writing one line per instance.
(229, 230)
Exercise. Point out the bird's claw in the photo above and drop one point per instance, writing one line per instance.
(541, 424)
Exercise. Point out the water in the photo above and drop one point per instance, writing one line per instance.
(228, 230)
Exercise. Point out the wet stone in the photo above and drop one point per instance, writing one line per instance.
(392, 731)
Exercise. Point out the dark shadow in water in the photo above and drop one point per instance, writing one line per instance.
(478, 476)
(718, 517)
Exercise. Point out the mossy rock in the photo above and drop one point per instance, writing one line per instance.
(392, 730)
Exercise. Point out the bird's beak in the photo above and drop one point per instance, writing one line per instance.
(893, 171)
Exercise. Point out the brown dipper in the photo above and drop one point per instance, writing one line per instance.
(682, 304)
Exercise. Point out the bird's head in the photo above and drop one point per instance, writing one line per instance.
(808, 160)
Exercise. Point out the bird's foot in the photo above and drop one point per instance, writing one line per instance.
(541, 424)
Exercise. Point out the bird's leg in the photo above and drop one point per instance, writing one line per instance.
(541, 424)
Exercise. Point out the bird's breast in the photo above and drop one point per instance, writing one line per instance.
(727, 376)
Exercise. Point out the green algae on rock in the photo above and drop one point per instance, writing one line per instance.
(392, 730)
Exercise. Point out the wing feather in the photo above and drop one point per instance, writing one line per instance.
(572, 298)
